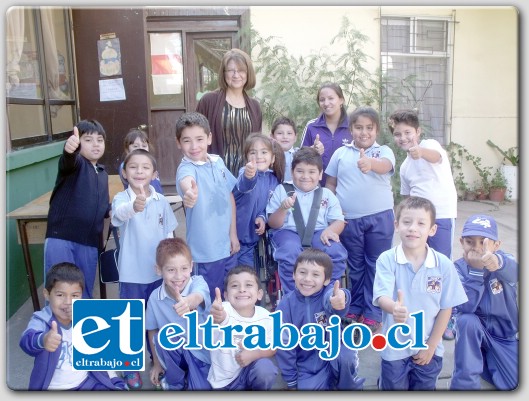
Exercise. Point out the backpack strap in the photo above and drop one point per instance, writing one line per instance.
(306, 232)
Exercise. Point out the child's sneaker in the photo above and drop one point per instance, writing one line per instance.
(133, 380)
(450, 332)
(372, 324)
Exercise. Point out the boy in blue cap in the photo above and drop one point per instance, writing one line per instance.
(487, 325)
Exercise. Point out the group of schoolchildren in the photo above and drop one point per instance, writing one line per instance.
(325, 206)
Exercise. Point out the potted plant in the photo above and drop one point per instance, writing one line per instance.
(498, 186)
(511, 160)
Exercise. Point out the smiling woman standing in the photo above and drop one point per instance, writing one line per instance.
(231, 113)
(331, 127)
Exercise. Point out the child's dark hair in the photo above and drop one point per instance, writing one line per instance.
(309, 156)
(242, 269)
(170, 247)
(135, 133)
(368, 112)
(283, 121)
(406, 116)
(278, 166)
(315, 257)
(416, 202)
(140, 152)
(65, 272)
(336, 88)
(191, 119)
(89, 127)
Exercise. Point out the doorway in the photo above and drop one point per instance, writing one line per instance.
(183, 59)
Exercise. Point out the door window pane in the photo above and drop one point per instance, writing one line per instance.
(167, 72)
(208, 56)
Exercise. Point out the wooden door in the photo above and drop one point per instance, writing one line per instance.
(184, 56)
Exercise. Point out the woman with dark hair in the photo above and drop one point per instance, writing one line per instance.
(331, 128)
(231, 113)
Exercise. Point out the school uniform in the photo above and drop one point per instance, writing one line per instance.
(208, 221)
(367, 203)
(251, 197)
(433, 287)
(54, 370)
(79, 204)
(181, 366)
(139, 235)
(286, 241)
(433, 181)
(225, 373)
(305, 370)
(289, 156)
(487, 327)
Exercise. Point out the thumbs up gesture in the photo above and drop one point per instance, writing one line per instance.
(289, 202)
(182, 306)
(337, 297)
(73, 142)
(52, 339)
(364, 162)
(140, 201)
(191, 195)
(400, 311)
(251, 168)
(489, 259)
(318, 145)
(217, 310)
(415, 150)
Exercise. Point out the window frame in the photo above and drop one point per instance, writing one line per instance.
(414, 53)
(46, 102)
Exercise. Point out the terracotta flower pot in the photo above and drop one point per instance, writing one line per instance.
(497, 194)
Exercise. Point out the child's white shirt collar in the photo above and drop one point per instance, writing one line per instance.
(430, 262)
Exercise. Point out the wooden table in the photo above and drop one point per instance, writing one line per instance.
(31, 224)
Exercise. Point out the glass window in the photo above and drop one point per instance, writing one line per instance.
(39, 75)
(167, 70)
(415, 62)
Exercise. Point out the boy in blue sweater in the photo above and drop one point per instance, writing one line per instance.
(48, 338)
(487, 325)
(314, 301)
(79, 203)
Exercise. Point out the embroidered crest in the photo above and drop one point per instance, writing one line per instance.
(434, 284)
(160, 220)
(324, 202)
(321, 318)
(375, 154)
(495, 286)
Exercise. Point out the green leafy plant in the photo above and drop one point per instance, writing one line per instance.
(289, 85)
(498, 179)
(457, 151)
(510, 154)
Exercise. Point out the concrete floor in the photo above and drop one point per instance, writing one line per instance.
(19, 364)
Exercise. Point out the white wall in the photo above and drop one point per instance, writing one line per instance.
(484, 98)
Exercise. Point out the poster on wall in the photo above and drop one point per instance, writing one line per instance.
(166, 63)
(109, 57)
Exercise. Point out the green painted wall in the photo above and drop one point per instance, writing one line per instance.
(29, 174)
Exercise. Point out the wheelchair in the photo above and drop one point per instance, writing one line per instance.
(268, 271)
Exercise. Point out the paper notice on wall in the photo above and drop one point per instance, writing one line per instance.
(111, 90)
(166, 63)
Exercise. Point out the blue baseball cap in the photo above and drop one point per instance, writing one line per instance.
(481, 225)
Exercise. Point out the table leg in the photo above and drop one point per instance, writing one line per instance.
(29, 267)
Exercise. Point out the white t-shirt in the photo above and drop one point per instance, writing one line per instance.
(433, 181)
(64, 377)
(224, 368)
